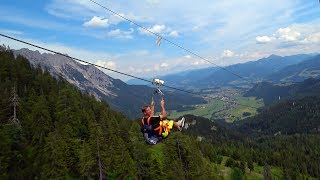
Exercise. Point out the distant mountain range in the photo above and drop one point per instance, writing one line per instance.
(185, 79)
(298, 72)
(253, 71)
(119, 95)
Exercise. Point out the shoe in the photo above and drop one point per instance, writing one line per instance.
(182, 122)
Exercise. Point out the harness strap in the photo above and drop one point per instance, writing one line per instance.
(160, 130)
(148, 121)
(162, 126)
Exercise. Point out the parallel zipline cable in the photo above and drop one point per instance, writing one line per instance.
(169, 41)
(129, 75)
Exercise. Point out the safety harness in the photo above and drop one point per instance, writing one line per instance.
(151, 135)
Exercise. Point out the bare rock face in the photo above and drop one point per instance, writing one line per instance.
(85, 77)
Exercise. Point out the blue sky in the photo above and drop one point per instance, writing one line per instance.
(223, 32)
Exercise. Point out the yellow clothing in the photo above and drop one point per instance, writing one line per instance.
(167, 125)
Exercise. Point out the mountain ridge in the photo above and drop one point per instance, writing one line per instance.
(254, 71)
(298, 72)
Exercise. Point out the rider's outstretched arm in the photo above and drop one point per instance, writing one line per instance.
(163, 114)
(152, 107)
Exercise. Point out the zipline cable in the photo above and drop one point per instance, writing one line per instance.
(129, 75)
(171, 42)
(37, 46)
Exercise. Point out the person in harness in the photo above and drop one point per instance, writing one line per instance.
(156, 128)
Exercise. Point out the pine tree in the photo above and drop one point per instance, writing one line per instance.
(55, 163)
(250, 166)
(5, 153)
(138, 151)
(243, 167)
(267, 175)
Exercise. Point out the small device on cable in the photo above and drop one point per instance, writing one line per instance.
(158, 83)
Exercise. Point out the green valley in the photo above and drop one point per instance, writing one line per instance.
(227, 104)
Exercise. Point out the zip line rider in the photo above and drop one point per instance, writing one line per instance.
(155, 128)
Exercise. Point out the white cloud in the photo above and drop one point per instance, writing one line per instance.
(97, 22)
(159, 29)
(187, 56)
(195, 63)
(108, 64)
(156, 29)
(143, 71)
(313, 38)
(227, 53)
(263, 39)
(196, 28)
(135, 70)
(174, 34)
(199, 62)
(117, 33)
(287, 34)
(164, 65)
(297, 33)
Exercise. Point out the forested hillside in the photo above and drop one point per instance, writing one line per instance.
(62, 133)
(288, 117)
(270, 93)
(296, 153)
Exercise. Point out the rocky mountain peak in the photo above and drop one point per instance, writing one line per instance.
(85, 77)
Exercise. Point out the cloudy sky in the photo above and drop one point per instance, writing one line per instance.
(222, 32)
